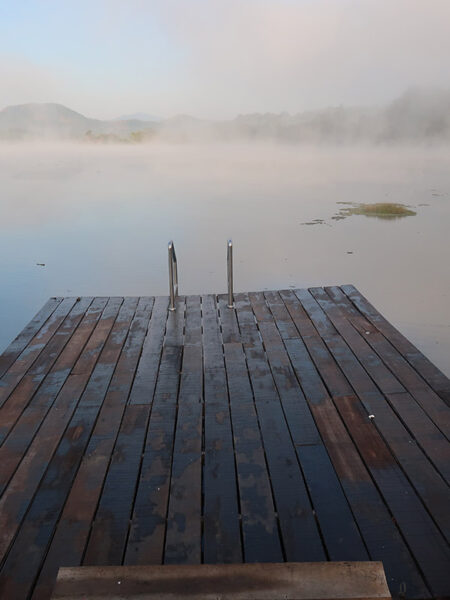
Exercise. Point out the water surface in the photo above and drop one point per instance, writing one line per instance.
(95, 220)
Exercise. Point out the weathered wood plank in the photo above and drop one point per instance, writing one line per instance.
(19, 494)
(289, 581)
(281, 316)
(147, 372)
(433, 442)
(434, 492)
(17, 497)
(20, 342)
(422, 535)
(338, 528)
(424, 431)
(21, 435)
(261, 542)
(110, 524)
(145, 543)
(411, 381)
(72, 532)
(418, 529)
(300, 535)
(32, 351)
(183, 543)
(221, 526)
(249, 333)
(380, 534)
(430, 373)
(260, 532)
(45, 366)
(103, 470)
(22, 564)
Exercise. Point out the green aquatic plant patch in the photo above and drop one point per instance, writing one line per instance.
(380, 210)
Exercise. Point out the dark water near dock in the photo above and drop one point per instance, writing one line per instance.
(81, 220)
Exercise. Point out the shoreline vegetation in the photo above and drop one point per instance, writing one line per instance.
(418, 116)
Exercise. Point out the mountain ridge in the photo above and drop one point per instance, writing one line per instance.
(416, 115)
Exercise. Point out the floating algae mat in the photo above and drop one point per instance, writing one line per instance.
(381, 210)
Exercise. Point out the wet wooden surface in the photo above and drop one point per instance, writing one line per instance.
(260, 581)
(299, 427)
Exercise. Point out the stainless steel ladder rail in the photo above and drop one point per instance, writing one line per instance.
(173, 275)
(230, 273)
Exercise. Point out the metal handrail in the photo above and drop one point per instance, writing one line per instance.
(230, 273)
(173, 275)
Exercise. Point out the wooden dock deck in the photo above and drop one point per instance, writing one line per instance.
(299, 427)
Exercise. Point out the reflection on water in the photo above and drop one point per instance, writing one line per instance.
(96, 220)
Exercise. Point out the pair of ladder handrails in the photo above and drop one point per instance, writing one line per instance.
(173, 274)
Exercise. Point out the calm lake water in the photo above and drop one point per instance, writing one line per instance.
(99, 219)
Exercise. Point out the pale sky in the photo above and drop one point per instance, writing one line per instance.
(219, 58)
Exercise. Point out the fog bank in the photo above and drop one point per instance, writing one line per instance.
(418, 116)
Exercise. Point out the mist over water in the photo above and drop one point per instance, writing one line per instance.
(99, 218)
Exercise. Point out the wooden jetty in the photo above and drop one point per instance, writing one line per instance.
(298, 427)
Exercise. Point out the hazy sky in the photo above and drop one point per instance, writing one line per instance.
(218, 58)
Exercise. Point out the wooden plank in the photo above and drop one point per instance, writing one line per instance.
(183, 543)
(145, 543)
(17, 497)
(430, 373)
(222, 536)
(260, 528)
(426, 433)
(434, 492)
(212, 340)
(147, 372)
(32, 351)
(423, 537)
(300, 535)
(276, 581)
(373, 364)
(30, 545)
(281, 316)
(338, 528)
(71, 535)
(380, 534)
(434, 405)
(221, 525)
(193, 321)
(21, 435)
(23, 393)
(109, 530)
(249, 333)
(108, 475)
(261, 541)
(18, 345)
(230, 327)
(419, 530)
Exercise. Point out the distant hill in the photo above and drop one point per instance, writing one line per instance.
(55, 121)
(418, 115)
(43, 120)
